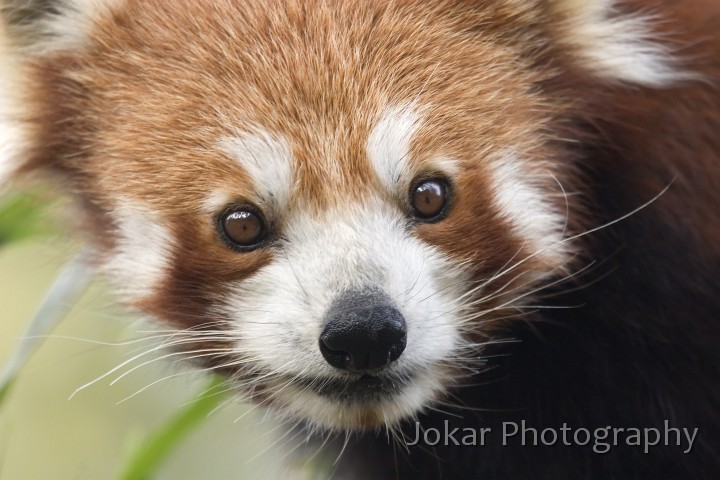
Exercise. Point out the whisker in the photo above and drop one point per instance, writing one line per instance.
(155, 382)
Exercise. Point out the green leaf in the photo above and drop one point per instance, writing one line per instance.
(155, 449)
(21, 217)
(5, 389)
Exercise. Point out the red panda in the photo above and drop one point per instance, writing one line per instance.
(395, 218)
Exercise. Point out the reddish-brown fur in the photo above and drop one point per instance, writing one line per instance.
(126, 117)
(138, 112)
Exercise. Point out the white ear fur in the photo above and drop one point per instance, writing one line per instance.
(10, 132)
(614, 46)
(39, 27)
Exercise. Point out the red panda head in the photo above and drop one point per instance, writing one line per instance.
(336, 204)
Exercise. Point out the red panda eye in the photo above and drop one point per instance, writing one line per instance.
(243, 228)
(429, 199)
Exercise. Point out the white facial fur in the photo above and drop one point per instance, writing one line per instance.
(280, 309)
(388, 145)
(522, 195)
(143, 252)
(268, 160)
(388, 148)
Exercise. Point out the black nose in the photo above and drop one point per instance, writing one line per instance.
(362, 333)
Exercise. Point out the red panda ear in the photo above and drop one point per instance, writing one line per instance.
(11, 133)
(34, 29)
(613, 45)
(44, 26)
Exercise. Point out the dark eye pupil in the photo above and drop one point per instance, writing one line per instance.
(242, 227)
(429, 198)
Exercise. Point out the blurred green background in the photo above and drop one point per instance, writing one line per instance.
(46, 435)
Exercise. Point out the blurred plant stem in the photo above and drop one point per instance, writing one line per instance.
(150, 455)
(22, 217)
(67, 288)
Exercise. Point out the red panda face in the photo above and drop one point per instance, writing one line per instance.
(336, 204)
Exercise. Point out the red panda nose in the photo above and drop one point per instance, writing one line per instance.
(361, 334)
